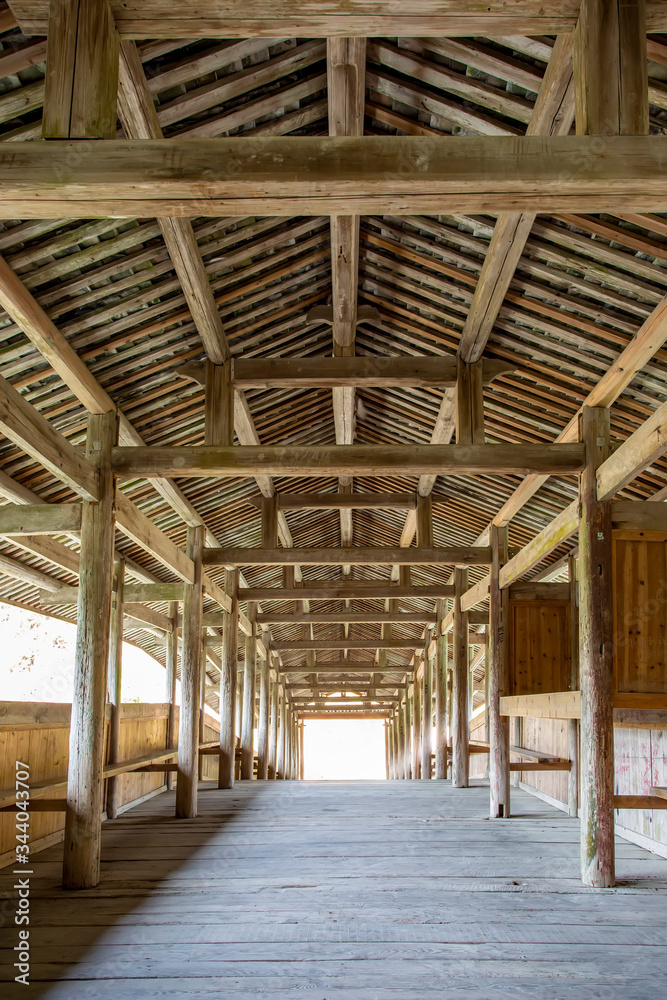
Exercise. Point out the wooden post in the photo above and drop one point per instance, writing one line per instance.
(115, 671)
(440, 705)
(407, 729)
(81, 83)
(460, 721)
(416, 730)
(596, 661)
(202, 702)
(248, 717)
(171, 655)
(83, 819)
(427, 713)
(302, 756)
(263, 722)
(611, 68)
(188, 727)
(516, 731)
(573, 724)
(469, 403)
(219, 405)
(499, 735)
(280, 761)
(273, 730)
(228, 683)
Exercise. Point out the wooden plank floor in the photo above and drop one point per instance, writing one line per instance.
(346, 891)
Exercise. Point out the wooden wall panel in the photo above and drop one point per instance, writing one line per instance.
(539, 646)
(549, 736)
(479, 762)
(640, 611)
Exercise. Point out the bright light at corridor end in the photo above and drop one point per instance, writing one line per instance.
(344, 749)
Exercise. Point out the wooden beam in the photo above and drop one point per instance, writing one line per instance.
(553, 114)
(357, 556)
(137, 526)
(83, 819)
(40, 519)
(334, 501)
(347, 460)
(639, 515)
(634, 455)
(348, 617)
(534, 590)
(321, 644)
(639, 802)
(139, 117)
(233, 19)
(289, 176)
(30, 431)
(611, 68)
(81, 81)
(361, 590)
(366, 372)
(563, 526)
(596, 661)
(188, 726)
(341, 667)
(553, 705)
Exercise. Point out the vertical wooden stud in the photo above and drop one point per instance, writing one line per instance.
(440, 705)
(460, 721)
(416, 729)
(219, 405)
(280, 762)
(499, 742)
(188, 728)
(83, 818)
(596, 660)
(114, 679)
(273, 729)
(573, 724)
(81, 82)
(248, 723)
(263, 722)
(171, 655)
(228, 683)
(427, 712)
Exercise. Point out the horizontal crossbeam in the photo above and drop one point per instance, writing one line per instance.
(373, 175)
(360, 591)
(349, 460)
(387, 555)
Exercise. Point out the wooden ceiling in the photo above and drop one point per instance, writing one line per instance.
(578, 290)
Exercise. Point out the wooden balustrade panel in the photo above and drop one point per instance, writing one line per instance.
(37, 733)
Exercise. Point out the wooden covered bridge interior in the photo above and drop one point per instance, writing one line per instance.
(332, 376)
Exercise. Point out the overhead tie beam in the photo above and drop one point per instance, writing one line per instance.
(386, 555)
(430, 18)
(341, 460)
(291, 176)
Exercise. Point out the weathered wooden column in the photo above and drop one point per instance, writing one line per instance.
(596, 660)
(248, 718)
(171, 656)
(391, 733)
(573, 724)
(202, 702)
(273, 729)
(499, 725)
(280, 760)
(83, 819)
(416, 727)
(228, 683)
(114, 679)
(188, 727)
(400, 741)
(440, 704)
(407, 728)
(302, 756)
(263, 721)
(427, 712)
(460, 721)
